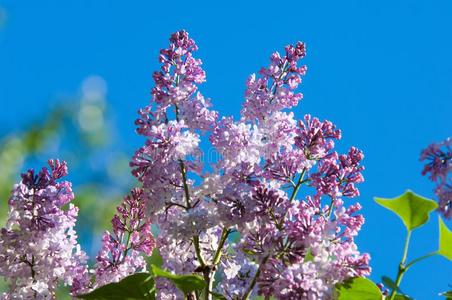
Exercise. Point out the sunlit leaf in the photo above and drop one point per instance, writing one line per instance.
(413, 209)
(358, 288)
(445, 240)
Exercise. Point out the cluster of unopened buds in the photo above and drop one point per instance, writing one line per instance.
(272, 216)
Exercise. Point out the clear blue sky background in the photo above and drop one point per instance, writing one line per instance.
(381, 70)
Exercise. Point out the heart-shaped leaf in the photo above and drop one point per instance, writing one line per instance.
(445, 240)
(358, 288)
(139, 286)
(414, 210)
(185, 283)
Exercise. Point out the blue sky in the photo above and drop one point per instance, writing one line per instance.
(380, 70)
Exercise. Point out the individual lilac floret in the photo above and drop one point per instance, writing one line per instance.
(38, 246)
(121, 253)
(439, 168)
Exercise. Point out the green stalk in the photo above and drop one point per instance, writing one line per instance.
(218, 253)
(198, 251)
(292, 197)
(256, 276)
(330, 209)
(184, 182)
(402, 268)
(297, 187)
(279, 226)
(410, 264)
(206, 269)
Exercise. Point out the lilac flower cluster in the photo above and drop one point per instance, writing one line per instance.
(278, 187)
(38, 246)
(439, 168)
(291, 245)
(121, 253)
(274, 90)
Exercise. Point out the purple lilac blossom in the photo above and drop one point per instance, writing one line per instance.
(266, 157)
(38, 246)
(278, 183)
(439, 169)
(122, 249)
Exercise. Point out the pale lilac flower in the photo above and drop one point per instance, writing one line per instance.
(196, 113)
(274, 90)
(316, 138)
(38, 246)
(237, 272)
(264, 158)
(336, 176)
(122, 249)
(334, 254)
(291, 244)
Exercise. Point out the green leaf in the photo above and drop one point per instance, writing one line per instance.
(234, 237)
(185, 283)
(413, 209)
(358, 288)
(448, 295)
(139, 286)
(445, 240)
(249, 252)
(217, 296)
(388, 282)
(308, 256)
(155, 258)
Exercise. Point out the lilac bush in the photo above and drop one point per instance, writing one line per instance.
(273, 215)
